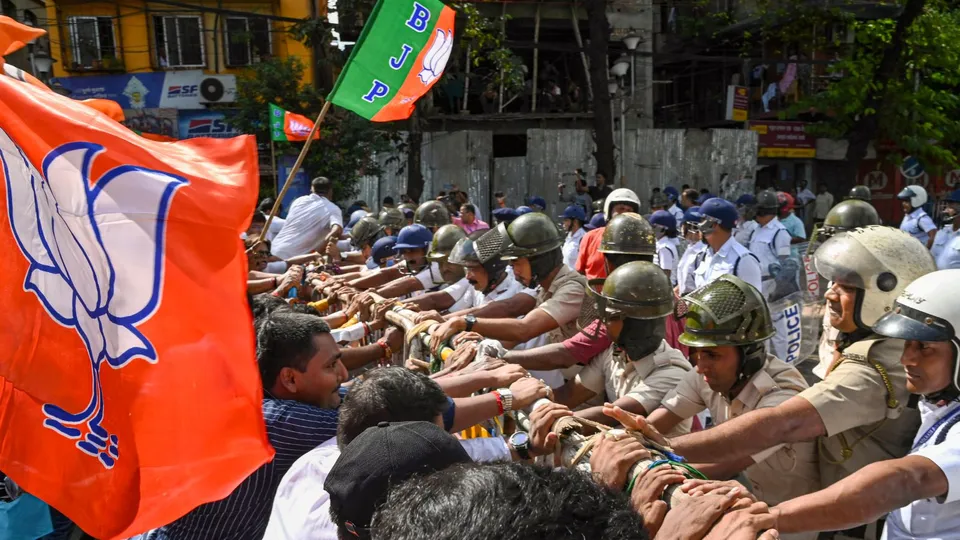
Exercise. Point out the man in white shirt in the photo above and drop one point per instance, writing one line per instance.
(690, 259)
(313, 222)
(824, 203)
(573, 219)
(921, 491)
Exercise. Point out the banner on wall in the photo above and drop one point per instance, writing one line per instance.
(206, 124)
(189, 89)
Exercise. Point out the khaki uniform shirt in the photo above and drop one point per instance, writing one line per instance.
(852, 401)
(781, 473)
(613, 376)
(562, 302)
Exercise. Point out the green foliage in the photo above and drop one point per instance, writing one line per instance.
(922, 116)
(485, 37)
(347, 143)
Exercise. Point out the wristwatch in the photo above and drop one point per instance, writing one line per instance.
(519, 442)
(507, 397)
(470, 320)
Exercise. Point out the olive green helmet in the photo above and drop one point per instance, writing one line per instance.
(408, 205)
(443, 242)
(848, 215)
(393, 218)
(860, 192)
(628, 234)
(636, 290)
(432, 214)
(365, 231)
(768, 203)
(728, 311)
(464, 252)
(659, 200)
(530, 235)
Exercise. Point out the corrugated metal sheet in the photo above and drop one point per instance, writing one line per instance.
(652, 158)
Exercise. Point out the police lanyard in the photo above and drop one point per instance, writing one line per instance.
(933, 429)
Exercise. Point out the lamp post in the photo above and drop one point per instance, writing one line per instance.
(42, 64)
(615, 90)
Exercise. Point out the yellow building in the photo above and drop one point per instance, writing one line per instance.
(135, 37)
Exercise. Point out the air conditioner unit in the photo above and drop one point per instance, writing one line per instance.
(218, 89)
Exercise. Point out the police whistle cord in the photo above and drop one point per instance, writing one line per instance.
(293, 173)
(578, 436)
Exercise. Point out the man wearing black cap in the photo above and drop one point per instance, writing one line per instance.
(383, 456)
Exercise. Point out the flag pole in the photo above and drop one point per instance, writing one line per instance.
(293, 172)
(273, 160)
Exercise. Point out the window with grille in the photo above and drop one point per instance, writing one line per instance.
(92, 40)
(247, 40)
(179, 41)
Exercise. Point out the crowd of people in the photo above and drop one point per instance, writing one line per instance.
(612, 372)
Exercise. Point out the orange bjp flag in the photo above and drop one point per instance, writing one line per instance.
(15, 36)
(129, 391)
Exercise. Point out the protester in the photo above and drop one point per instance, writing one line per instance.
(590, 261)
(312, 223)
(469, 221)
(581, 197)
(301, 372)
(824, 203)
(601, 190)
(793, 224)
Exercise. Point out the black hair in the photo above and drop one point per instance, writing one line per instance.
(704, 191)
(670, 233)
(321, 185)
(387, 200)
(507, 501)
(691, 194)
(266, 205)
(603, 174)
(265, 304)
(470, 208)
(388, 394)
(258, 217)
(285, 339)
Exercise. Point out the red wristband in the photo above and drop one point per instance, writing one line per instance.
(499, 402)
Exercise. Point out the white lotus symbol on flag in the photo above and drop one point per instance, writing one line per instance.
(299, 128)
(96, 254)
(436, 58)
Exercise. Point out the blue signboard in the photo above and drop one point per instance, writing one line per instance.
(131, 91)
(300, 185)
(205, 124)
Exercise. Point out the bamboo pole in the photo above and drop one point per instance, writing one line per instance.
(293, 172)
(583, 55)
(536, 56)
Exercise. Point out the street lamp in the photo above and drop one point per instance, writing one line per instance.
(42, 64)
(621, 66)
(614, 88)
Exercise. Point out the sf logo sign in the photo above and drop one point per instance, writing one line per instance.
(875, 180)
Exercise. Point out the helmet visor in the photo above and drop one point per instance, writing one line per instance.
(908, 323)
(843, 260)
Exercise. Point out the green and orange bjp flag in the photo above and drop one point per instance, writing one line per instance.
(400, 55)
(288, 126)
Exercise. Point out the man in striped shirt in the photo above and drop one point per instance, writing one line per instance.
(302, 373)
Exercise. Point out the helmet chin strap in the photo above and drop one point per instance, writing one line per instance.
(751, 360)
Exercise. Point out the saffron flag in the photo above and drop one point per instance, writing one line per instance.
(129, 391)
(15, 36)
(288, 126)
(400, 55)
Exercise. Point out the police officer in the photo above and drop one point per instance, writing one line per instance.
(860, 192)
(458, 293)
(573, 219)
(770, 242)
(848, 215)
(432, 215)
(919, 491)
(948, 230)
(727, 324)
(420, 273)
(504, 215)
(673, 196)
(668, 245)
(362, 236)
(634, 303)
(690, 228)
(859, 413)
(916, 222)
(723, 254)
(392, 220)
(747, 208)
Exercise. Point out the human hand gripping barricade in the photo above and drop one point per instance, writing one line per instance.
(577, 438)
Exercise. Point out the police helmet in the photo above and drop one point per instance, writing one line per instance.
(443, 241)
(635, 290)
(860, 192)
(383, 248)
(364, 231)
(848, 215)
(916, 195)
(663, 221)
(628, 234)
(574, 211)
(672, 193)
(531, 235)
(879, 262)
(719, 211)
(767, 203)
(432, 214)
(620, 196)
(393, 218)
(414, 236)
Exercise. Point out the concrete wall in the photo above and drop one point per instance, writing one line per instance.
(653, 158)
